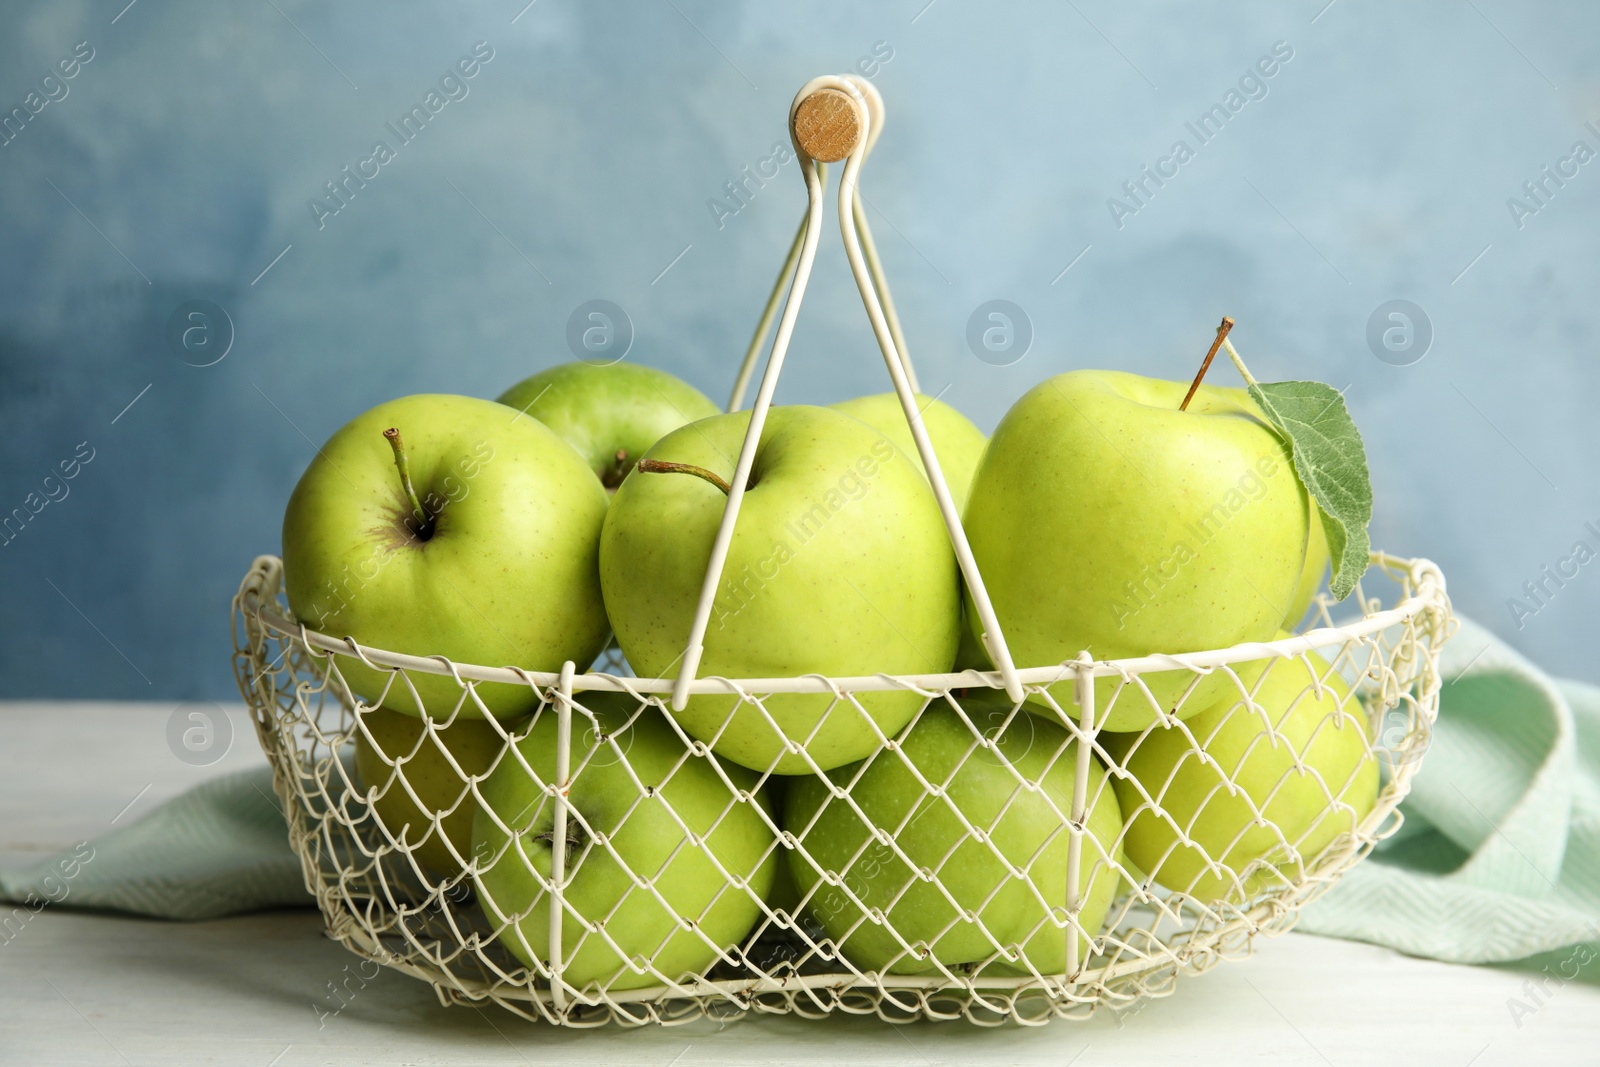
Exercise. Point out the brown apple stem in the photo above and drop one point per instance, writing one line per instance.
(1194, 387)
(616, 471)
(404, 466)
(663, 466)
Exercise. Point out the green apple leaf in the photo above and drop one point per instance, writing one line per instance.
(1332, 464)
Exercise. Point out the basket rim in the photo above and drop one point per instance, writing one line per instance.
(257, 599)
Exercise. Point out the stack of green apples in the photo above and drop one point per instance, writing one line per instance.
(918, 836)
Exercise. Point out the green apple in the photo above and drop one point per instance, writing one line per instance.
(957, 443)
(490, 558)
(610, 414)
(1104, 518)
(1299, 758)
(643, 809)
(419, 780)
(1312, 575)
(1013, 798)
(840, 565)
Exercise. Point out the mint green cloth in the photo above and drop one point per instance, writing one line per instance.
(219, 849)
(1498, 859)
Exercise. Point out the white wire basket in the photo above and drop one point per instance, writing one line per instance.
(1001, 858)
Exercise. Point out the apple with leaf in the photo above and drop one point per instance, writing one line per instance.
(1128, 516)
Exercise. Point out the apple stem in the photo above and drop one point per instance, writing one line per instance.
(663, 466)
(1194, 387)
(1233, 354)
(617, 470)
(423, 528)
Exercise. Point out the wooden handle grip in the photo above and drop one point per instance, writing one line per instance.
(827, 125)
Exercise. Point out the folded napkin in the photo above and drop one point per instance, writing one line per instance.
(1498, 858)
(219, 849)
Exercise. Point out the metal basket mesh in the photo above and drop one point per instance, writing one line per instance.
(886, 901)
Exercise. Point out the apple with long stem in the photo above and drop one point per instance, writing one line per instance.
(840, 565)
(1128, 516)
(445, 526)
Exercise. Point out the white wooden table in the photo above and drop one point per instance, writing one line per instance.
(95, 989)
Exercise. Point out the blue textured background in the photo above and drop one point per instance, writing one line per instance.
(182, 158)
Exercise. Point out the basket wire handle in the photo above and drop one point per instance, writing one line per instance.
(849, 213)
(558, 833)
(811, 230)
(1084, 691)
(832, 134)
(869, 246)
